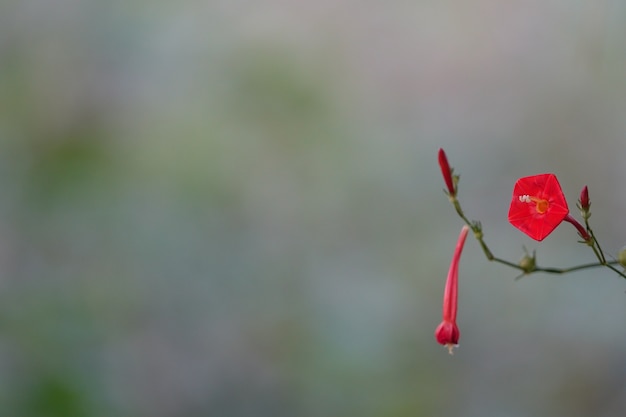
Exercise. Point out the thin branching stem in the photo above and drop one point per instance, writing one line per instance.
(595, 241)
(595, 245)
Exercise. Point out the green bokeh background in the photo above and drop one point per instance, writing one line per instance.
(233, 208)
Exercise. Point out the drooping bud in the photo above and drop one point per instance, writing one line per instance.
(447, 333)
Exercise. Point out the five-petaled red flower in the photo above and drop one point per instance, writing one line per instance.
(538, 205)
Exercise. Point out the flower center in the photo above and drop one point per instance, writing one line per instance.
(541, 204)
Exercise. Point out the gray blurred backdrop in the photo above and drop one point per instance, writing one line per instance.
(233, 208)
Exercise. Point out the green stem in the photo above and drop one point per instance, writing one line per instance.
(599, 253)
(478, 234)
(595, 242)
(610, 266)
(576, 268)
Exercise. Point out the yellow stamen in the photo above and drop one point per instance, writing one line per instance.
(541, 204)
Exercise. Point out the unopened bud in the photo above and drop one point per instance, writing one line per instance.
(584, 198)
(528, 263)
(449, 178)
(584, 203)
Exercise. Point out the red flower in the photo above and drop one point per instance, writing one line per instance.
(538, 205)
(447, 333)
(447, 173)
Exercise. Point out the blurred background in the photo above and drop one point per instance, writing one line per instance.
(233, 208)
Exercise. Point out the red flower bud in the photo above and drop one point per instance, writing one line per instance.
(584, 199)
(447, 173)
(447, 333)
(581, 230)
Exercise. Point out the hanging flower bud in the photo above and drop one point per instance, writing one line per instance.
(447, 333)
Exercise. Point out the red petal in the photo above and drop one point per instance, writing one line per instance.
(524, 216)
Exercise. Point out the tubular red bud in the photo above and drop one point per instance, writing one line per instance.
(446, 171)
(447, 333)
(581, 229)
(584, 199)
